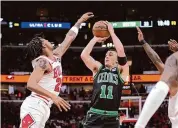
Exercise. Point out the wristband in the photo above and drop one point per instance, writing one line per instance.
(74, 29)
(122, 60)
(143, 42)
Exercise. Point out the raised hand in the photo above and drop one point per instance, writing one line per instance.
(173, 45)
(140, 34)
(110, 26)
(86, 16)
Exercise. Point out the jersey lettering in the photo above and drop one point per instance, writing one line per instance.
(57, 74)
(107, 77)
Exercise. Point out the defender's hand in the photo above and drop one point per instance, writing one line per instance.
(86, 16)
(140, 34)
(61, 103)
(173, 45)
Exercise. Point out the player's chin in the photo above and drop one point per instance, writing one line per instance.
(107, 64)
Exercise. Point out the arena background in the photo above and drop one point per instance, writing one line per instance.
(21, 20)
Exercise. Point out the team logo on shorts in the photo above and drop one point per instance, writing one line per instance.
(27, 121)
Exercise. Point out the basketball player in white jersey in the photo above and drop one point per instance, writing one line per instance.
(46, 78)
(167, 80)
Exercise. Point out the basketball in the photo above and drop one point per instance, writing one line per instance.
(100, 29)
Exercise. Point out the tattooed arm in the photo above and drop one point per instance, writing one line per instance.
(71, 35)
(38, 72)
(150, 52)
(154, 57)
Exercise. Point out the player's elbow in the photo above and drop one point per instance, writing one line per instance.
(83, 55)
(161, 70)
(30, 85)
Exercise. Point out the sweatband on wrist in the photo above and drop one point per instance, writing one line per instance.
(74, 29)
(143, 42)
(122, 60)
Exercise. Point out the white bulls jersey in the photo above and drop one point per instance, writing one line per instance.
(52, 80)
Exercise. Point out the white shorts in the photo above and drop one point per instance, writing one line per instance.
(173, 110)
(34, 113)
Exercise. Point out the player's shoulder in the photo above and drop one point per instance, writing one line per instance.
(175, 55)
(57, 58)
(41, 62)
(172, 60)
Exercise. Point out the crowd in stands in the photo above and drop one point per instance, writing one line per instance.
(73, 118)
(73, 94)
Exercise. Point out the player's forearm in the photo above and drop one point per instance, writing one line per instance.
(125, 73)
(151, 53)
(39, 90)
(71, 33)
(154, 57)
(87, 50)
(70, 37)
(118, 45)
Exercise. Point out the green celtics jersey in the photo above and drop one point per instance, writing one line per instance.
(107, 89)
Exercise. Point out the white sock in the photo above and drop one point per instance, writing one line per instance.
(152, 103)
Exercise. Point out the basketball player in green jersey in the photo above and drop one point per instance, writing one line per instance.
(108, 82)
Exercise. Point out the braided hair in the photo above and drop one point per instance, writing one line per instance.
(35, 46)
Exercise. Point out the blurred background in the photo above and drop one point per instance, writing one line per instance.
(20, 21)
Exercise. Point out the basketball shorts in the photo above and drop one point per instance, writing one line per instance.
(173, 110)
(94, 120)
(34, 113)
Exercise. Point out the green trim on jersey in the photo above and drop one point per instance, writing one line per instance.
(120, 76)
(103, 112)
(98, 72)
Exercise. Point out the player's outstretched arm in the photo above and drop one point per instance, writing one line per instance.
(32, 84)
(150, 52)
(89, 61)
(117, 43)
(71, 35)
(122, 60)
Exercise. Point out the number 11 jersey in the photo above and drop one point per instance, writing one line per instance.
(107, 89)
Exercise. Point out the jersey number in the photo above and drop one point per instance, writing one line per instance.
(103, 92)
(58, 80)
